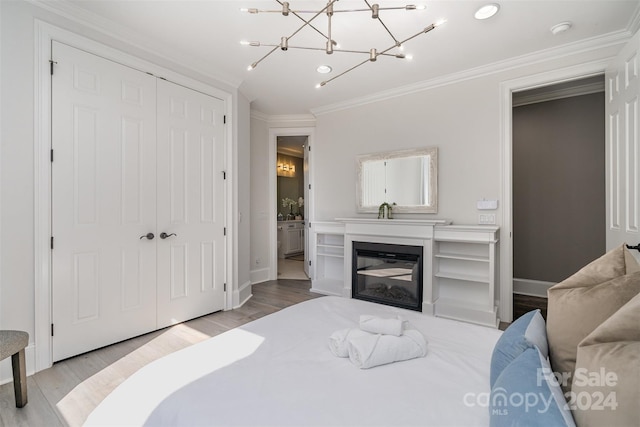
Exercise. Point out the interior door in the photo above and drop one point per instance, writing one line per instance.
(622, 155)
(191, 197)
(103, 200)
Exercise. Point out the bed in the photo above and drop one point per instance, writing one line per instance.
(279, 371)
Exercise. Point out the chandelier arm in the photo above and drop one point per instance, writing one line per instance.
(364, 52)
(383, 24)
(296, 14)
(425, 31)
(314, 17)
(344, 72)
(255, 64)
(369, 10)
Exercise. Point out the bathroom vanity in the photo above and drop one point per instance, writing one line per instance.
(290, 238)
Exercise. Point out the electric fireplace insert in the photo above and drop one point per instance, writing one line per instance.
(387, 274)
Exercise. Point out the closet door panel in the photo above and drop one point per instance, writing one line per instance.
(103, 200)
(190, 203)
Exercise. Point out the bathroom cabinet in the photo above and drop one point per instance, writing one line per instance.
(291, 237)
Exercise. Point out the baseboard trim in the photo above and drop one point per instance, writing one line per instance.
(533, 288)
(240, 296)
(6, 372)
(324, 292)
(259, 276)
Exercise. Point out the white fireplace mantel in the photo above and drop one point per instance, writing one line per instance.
(412, 232)
(459, 262)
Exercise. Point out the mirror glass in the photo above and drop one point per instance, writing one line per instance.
(407, 178)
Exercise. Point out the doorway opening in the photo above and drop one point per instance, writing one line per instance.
(291, 193)
(558, 177)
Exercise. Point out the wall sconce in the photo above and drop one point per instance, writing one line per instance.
(286, 169)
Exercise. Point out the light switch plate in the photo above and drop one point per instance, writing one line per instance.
(487, 204)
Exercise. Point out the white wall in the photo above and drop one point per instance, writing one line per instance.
(260, 203)
(243, 172)
(17, 269)
(461, 118)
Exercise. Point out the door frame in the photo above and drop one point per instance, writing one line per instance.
(45, 33)
(274, 133)
(506, 160)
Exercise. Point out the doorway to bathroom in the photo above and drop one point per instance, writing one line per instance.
(292, 177)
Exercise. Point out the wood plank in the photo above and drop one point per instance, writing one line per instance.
(38, 412)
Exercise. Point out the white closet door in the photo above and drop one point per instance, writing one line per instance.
(190, 204)
(103, 200)
(623, 147)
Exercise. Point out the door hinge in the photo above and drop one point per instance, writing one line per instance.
(309, 186)
(224, 175)
(224, 231)
(51, 242)
(309, 147)
(309, 225)
(224, 119)
(52, 329)
(309, 263)
(51, 62)
(225, 287)
(52, 155)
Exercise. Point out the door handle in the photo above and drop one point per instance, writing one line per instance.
(164, 235)
(149, 236)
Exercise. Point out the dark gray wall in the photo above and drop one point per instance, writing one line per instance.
(558, 186)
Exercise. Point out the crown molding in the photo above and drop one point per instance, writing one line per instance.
(287, 118)
(107, 27)
(579, 47)
(634, 22)
(552, 95)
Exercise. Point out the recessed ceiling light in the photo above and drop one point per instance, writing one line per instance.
(561, 27)
(324, 69)
(487, 11)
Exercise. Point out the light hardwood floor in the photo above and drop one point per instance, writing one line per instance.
(66, 393)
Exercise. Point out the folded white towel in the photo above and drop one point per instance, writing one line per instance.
(379, 325)
(339, 341)
(368, 351)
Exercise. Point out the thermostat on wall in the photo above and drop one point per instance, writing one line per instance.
(487, 205)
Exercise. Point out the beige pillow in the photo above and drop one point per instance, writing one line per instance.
(577, 305)
(606, 384)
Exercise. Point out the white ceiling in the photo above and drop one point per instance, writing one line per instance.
(205, 35)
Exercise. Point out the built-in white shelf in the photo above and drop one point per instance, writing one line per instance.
(463, 277)
(327, 258)
(465, 273)
(459, 262)
(462, 257)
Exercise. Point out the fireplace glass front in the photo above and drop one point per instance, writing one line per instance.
(387, 274)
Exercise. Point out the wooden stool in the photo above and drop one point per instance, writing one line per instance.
(12, 343)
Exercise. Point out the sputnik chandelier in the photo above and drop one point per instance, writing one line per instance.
(331, 45)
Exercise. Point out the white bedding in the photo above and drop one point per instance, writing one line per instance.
(279, 371)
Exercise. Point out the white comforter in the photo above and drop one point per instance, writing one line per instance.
(279, 371)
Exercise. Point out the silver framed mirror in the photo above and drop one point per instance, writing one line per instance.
(408, 178)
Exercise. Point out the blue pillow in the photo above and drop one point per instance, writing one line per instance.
(527, 331)
(527, 394)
